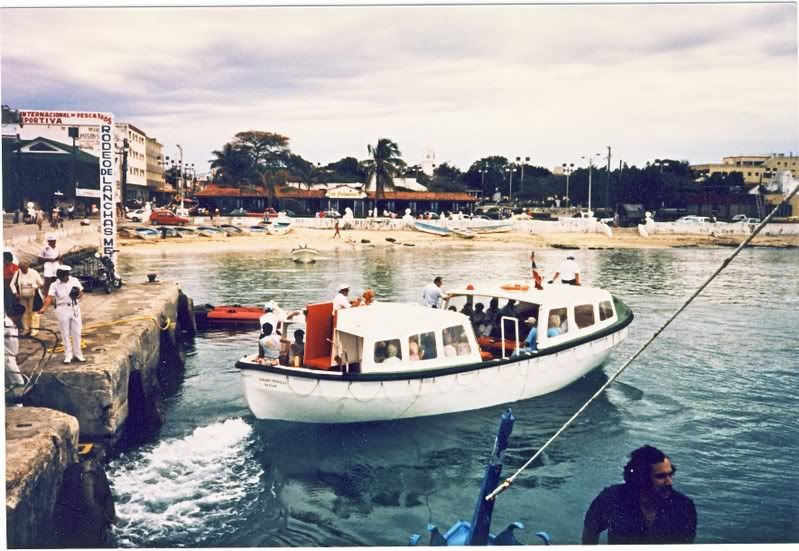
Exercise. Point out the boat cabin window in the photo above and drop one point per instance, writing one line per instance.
(422, 347)
(388, 351)
(605, 310)
(558, 321)
(584, 315)
(456, 343)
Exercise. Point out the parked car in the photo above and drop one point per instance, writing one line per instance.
(693, 219)
(135, 215)
(738, 218)
(161, 217)
(238, 212)
(749, 221)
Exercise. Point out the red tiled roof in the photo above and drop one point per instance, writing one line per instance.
(215, 190)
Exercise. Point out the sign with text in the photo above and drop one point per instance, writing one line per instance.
(100, 125)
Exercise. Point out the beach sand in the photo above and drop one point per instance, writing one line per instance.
(322, 240)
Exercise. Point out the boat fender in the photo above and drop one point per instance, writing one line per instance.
(515, 287)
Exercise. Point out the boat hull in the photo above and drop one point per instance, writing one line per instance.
(278, 394)
(431, 228)
(304, 255)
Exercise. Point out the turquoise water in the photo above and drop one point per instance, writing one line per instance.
(717, 392)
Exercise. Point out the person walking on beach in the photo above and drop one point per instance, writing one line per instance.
(25, 285)
(51, 258)
(338, 231)
(433, 295)
(568, 271)
(65, 292)
(645, 509)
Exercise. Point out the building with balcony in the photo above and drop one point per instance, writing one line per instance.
(135, 182)
(755, 169)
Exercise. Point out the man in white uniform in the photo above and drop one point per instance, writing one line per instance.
(568, 271)
(341, 300)
(65, 293)
(433, 295)
(51, 258)
(11, 341)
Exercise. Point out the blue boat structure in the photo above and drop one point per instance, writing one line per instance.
(435, 229)
(478, 531)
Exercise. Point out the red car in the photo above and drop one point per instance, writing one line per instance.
(167, 217)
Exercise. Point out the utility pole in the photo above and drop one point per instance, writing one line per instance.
(590, 170)
(123, 183)
(607, 184)
(523, 162)
(74, 133)
(182, 181)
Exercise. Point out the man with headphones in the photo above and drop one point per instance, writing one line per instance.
(645, 509)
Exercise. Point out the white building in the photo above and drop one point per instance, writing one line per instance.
(428, 163)
(136, 182)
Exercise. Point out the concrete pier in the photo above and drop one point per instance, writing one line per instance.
(132, 339)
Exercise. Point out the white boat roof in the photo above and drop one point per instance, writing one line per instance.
(393, 319)
(557, 293)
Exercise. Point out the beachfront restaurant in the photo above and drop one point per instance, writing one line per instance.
(338, 197)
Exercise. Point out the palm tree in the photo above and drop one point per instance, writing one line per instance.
(270, 180)
(232, 164)
(384, 164)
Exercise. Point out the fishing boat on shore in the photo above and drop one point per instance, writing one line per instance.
(435, 229)
(463, 233)
(390, 361)
(280, 225)
(304, 254)
(499, 227)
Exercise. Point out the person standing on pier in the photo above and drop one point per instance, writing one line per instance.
(645, 509)
(14, 376)
(51, 258)
(65, 292)
(25, 285)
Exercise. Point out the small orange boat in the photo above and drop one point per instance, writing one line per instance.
(209, 315)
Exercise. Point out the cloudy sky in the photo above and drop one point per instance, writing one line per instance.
(694, 82)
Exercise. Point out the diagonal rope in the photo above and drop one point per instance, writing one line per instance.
(508, 481)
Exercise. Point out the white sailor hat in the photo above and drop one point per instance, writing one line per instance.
(63, 268)
(270, 306)
(343, 286)
(50, 237)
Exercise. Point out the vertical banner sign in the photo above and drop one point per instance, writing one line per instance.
(96, 137)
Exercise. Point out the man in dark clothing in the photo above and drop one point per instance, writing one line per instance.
(645, 509)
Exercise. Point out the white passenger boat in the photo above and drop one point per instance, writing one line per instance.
(389, 360)
(426, 227)
(304, 254)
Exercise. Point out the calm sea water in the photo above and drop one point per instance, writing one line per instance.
(717, 392)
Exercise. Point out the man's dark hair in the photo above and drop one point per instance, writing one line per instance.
(638, 470)
(267, 328)
(437, 280)
(299, 334)
(7, 257)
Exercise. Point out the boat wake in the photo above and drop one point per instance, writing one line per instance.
(191, 490)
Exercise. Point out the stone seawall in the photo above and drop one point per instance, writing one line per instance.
(132, 339)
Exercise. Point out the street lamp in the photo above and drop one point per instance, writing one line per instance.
(510, 170)
(590, 168)
(182, 181)
(521, 178)
(567, 170)
(483, 178)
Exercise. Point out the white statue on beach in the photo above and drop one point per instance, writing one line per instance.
(407, 219)
(347, 221)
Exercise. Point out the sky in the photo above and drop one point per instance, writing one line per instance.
(556, 83)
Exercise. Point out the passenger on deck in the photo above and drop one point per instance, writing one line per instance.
(568, 271)
(297, 351)
(268, 345)
(341, 300)
(467, 309)
(478, 317)
(490, 317)
(433, 295)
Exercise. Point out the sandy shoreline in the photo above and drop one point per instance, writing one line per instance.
(322, 240)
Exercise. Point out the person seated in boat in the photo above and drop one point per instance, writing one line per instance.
(392, 353)
(449, 344)
(268, 345)
(467, 309)
(478, 317)
(414, 354)
(554, 325)
(297, 349)
(460, 341)
(490, 318)
(531, 342)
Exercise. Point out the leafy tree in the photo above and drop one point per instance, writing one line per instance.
(447, 177)
(487, 175)
(271, 180)
(233, 165)
(11, 116)
(347, 169)
(266, 150)
(384, 165)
